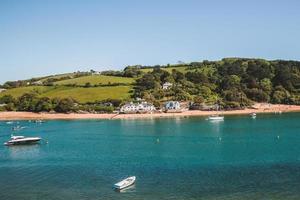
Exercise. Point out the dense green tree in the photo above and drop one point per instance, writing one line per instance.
(146, 82)
(7, 99)
(148, 96)
(266, 85)
(258, 95)
(205, 92)
(43, 104)
(133, 71)
(197, 77)
(199, 99)
(283, 77)
(231, 81)
(177, 75)
(65, 105)
(181, 95)
(280, 95)
(27, 102)
(232, 95)
(158, 93)
(294, 99)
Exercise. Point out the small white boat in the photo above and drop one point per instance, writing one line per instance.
(216, 118)
(253, 115)
(17, 140)
(18, 128)
(10, 122)
(39, 121)
(125, 183)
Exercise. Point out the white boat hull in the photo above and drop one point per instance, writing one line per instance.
(22, 141)
(216, 118)
(125, 183)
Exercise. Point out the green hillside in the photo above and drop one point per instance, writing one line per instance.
(84, 95)
(232, 83)
(168, 69)
(73, 88)
(17, 92)
(80, 94)
(96, 80)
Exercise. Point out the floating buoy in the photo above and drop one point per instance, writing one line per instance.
(278, 137)
(157, 140)
(220, 138)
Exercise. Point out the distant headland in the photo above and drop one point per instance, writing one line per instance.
(229, 85)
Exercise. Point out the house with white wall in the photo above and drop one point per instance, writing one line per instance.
(143, 107)
(172, 106)
(167, 85)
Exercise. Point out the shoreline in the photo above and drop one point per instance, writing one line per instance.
(257, 108)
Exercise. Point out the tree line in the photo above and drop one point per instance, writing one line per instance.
(231, 82)
(31, 102)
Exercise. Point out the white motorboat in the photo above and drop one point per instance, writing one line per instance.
(17, 140)
(125, 183)
(216, 118)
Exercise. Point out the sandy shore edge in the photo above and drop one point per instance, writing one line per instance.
(257, 108)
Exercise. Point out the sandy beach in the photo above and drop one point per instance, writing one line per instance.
(257, 108)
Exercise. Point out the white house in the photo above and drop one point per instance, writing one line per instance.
(2, 90)
(138, 107)
(145, 107)
(167, 85)
(172, 105)
(128, 107)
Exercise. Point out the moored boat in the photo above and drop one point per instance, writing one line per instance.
(125, 183)
(216, 118)
(39, 121)
(18, 140)
(18, 128)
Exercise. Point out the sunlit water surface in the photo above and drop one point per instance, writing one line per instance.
(180, 158)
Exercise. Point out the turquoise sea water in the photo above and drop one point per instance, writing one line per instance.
(180, 158)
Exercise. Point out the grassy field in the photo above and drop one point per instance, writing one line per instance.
(17, 92)
(168, 69)
(80, 94)
(96, 79)
(92, 94)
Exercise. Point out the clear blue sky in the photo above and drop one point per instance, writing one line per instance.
(40, 37)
